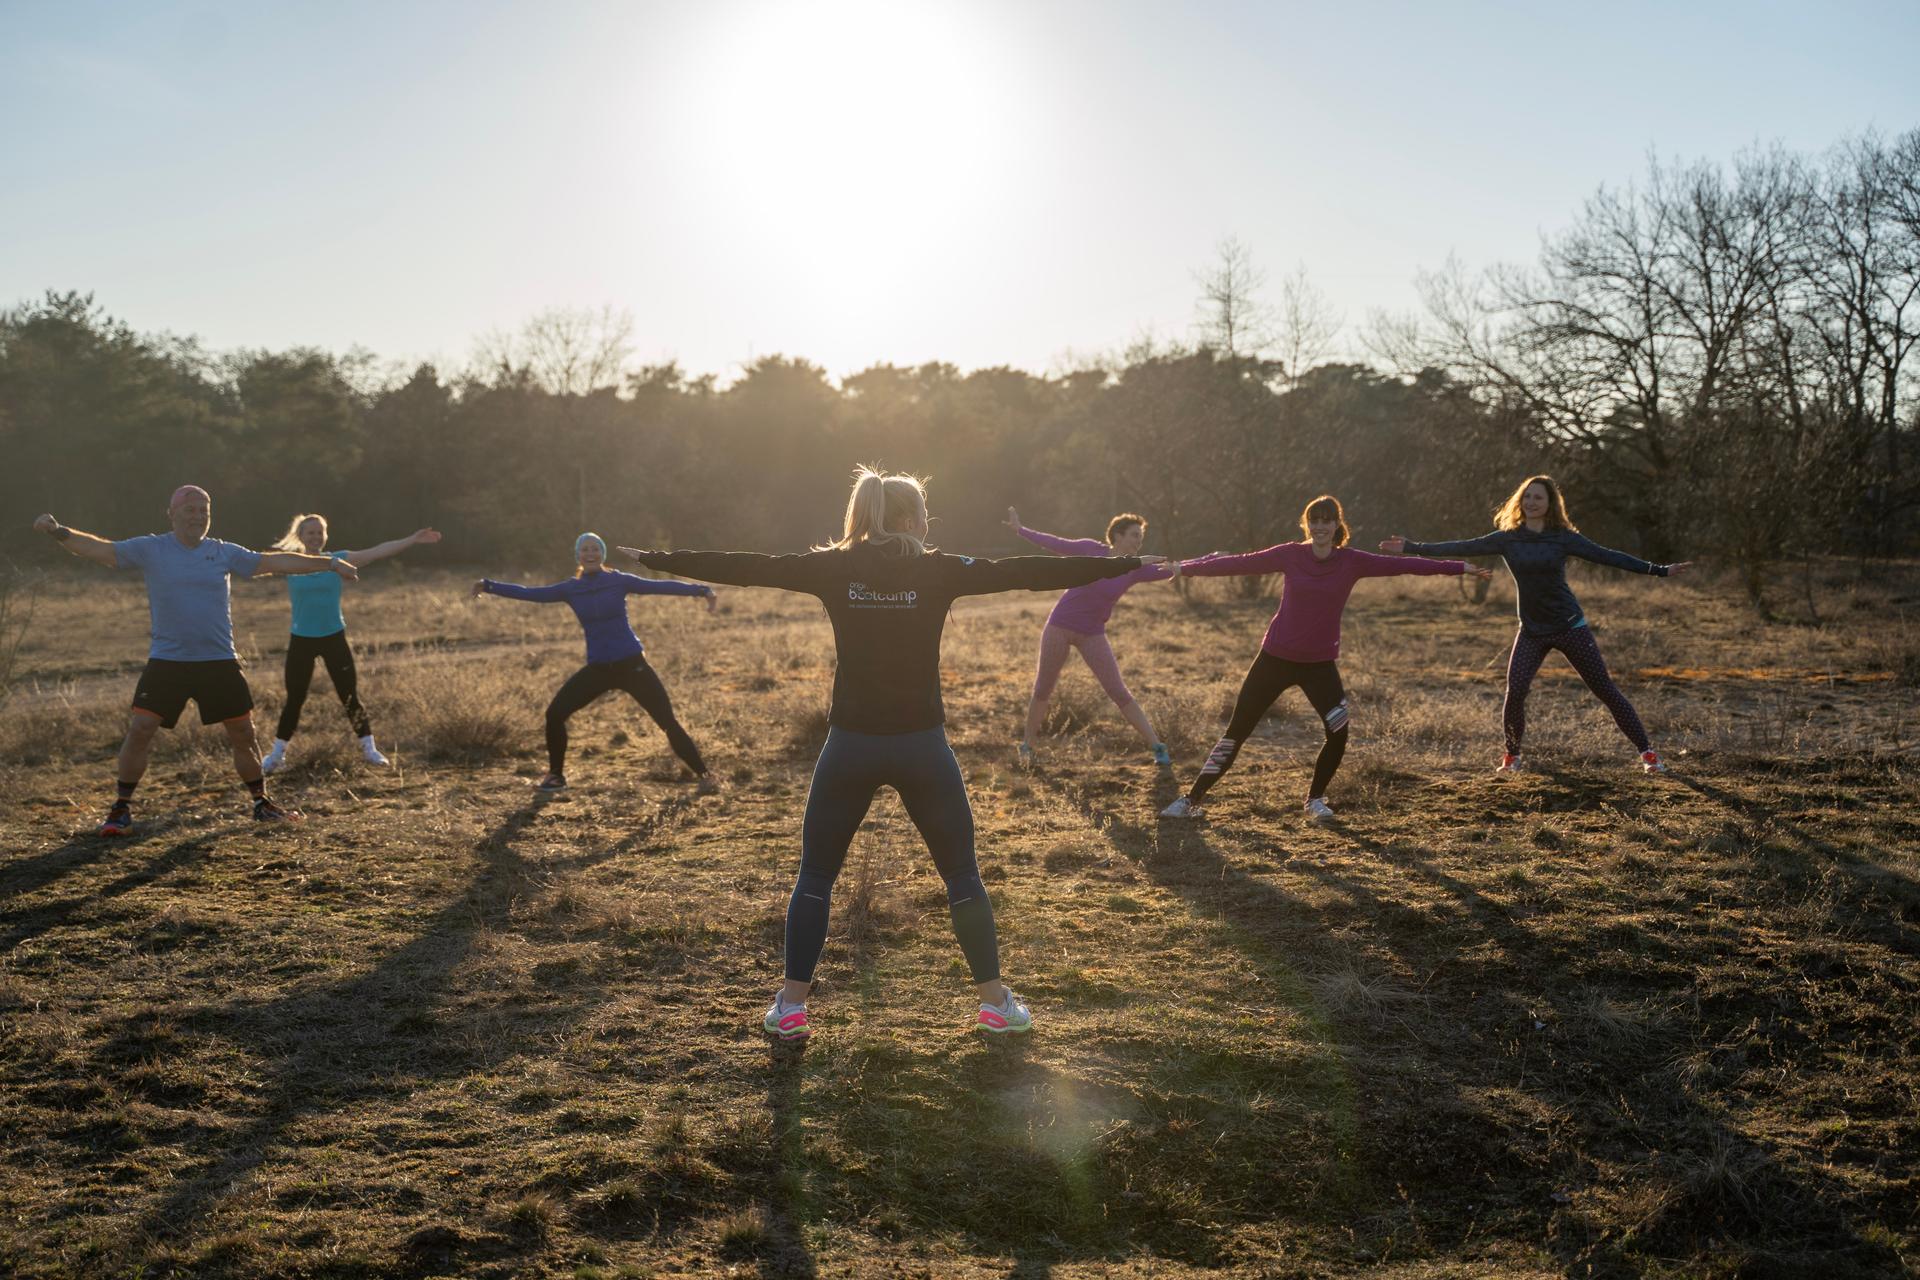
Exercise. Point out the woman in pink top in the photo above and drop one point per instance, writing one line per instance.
(1079, 621)
(1303, 641)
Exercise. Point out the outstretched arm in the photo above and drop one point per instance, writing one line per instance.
(85, 545)
(974, 577)
(1059, 545)
(1375, 566)
(382, 551)
(639, 586)
(738, 568)
(1587, 549)
(514, 591)
(1272, 560)
(1488, 544)
(301, 562)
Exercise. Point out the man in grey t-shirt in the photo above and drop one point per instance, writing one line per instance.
(192, 657)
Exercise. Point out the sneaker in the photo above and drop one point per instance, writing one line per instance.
(708, 785)
(370, 753)
(1161, 756)
(552, 782)
(1010, 1014)
(119, 820)
(1182, 808)
(1650, 762)
(1509, 763)
(265, 810)
(788, 1021)
(1026, 755)
(274, 758)
(1319, 811)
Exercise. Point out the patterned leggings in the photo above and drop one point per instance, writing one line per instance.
(1578, 645)
(1267, 679)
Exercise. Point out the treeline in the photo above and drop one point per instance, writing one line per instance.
(1716, 360)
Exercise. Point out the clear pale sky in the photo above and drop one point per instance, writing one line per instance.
(975, 181)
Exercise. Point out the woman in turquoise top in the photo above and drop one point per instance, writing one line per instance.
(320, 631)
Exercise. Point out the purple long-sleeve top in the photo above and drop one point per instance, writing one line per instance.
(1306, 627)
(1085, 610)
(599, 600)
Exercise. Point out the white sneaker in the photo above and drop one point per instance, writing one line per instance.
(1510, 764)
(787, 1021)
(1010, 1015)
(1318, 810)
(370, 753)
(1650, 762)
(1183, 808)
(274, 758)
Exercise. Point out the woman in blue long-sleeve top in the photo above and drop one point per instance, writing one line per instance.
(1535, 537)
(615, 657)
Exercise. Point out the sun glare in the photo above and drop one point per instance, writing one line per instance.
(857, 138)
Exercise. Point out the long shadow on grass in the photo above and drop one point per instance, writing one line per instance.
(29, 922)
(373, 1037)
(78, 852)
(785, 1254)
(1437, 1131)
(1869, 877)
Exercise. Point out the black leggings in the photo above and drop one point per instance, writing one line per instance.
(335, 652)
(637, 678)
(920, 766)
(1267, 679)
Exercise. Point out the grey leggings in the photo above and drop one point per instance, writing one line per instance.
(851, 769)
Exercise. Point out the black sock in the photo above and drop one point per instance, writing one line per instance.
(259, 788)
(124, 790)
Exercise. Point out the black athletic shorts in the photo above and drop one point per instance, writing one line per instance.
(219, 688)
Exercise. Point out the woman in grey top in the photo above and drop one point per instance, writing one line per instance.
(1535, 538)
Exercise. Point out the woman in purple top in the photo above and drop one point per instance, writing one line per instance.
(1079, 621)
(615, 657)
(1303, 641)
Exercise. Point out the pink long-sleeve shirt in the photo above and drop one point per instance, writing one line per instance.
(1086, 609)
(1306, 627)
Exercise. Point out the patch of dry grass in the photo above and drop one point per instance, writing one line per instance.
(1574, 1022)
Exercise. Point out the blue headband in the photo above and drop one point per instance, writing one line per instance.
(584, 539)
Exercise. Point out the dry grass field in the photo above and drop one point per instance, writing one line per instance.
(1579, 1022)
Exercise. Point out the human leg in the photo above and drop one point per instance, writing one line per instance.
(928, 778)
(844, 781)
(581, 688)
(1097, 652)
(1265, 681)
(301, 651)
(1583, 651)
(1054, 644)
(1321, 683)
(1522, 665)
(641, 682)
(338, 655)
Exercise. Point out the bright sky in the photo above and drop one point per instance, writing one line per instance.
(976, 181)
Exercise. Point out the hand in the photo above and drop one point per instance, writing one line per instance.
(45, 523)
(1013, 520)
(1154, 560)
(1480, 572)
(344, 567)
(632, 553)
(1675, 570)
(425, 535)
(1395, 545)
(713, 599)
(479, 589)
(1175, 563)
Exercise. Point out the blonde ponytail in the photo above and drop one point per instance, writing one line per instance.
(879, 500)
(290, 540)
